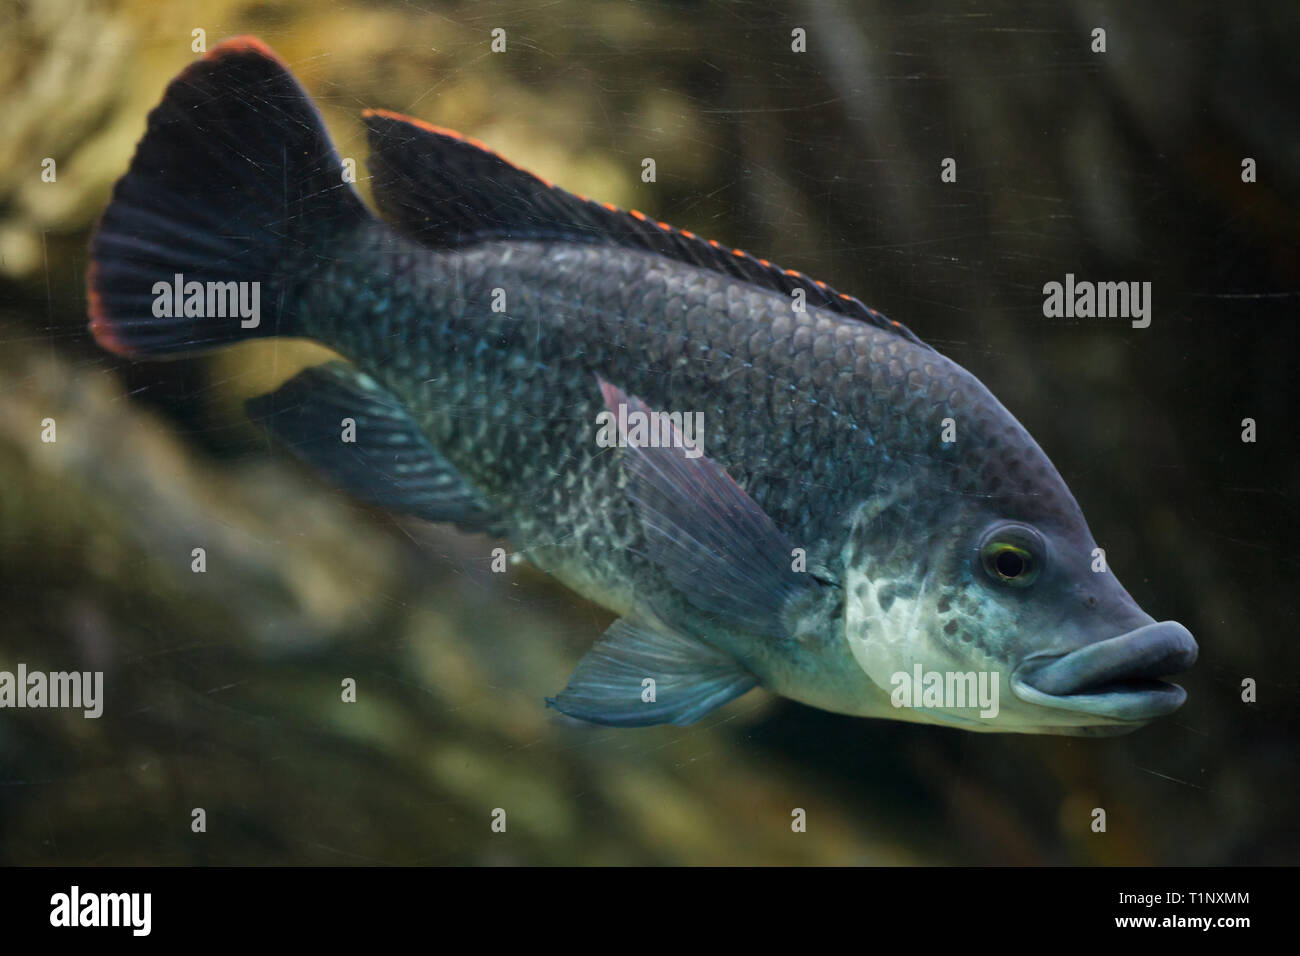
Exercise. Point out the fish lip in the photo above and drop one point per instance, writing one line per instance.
(1118, 678)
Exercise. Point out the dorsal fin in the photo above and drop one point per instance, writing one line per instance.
(445, 190)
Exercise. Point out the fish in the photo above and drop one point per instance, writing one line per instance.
(768, 482)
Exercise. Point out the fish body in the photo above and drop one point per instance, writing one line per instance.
(855, 506)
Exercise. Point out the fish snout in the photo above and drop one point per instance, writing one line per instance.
(1117, 678)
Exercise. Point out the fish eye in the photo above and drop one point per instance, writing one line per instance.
(1012, 554)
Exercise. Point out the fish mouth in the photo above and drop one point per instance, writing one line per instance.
(1118, 678)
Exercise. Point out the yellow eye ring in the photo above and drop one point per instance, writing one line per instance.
(1009, 563)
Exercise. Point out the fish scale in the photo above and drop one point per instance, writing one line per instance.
(521, 416)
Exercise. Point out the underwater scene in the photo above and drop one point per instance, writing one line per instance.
(649, 433)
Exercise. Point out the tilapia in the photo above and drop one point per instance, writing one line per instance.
(769, 482)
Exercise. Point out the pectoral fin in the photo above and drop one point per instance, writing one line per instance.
(712, 540)
(637, 675)
(387, 462)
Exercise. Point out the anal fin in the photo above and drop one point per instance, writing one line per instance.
(690, 679)
(390, 463)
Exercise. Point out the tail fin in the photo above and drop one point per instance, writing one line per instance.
(235, 187)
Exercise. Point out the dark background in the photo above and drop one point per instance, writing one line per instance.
(223, 688)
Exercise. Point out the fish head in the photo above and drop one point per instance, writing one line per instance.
(1075, 651)
(988, 568)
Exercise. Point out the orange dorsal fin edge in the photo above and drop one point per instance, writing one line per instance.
(446, 190)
